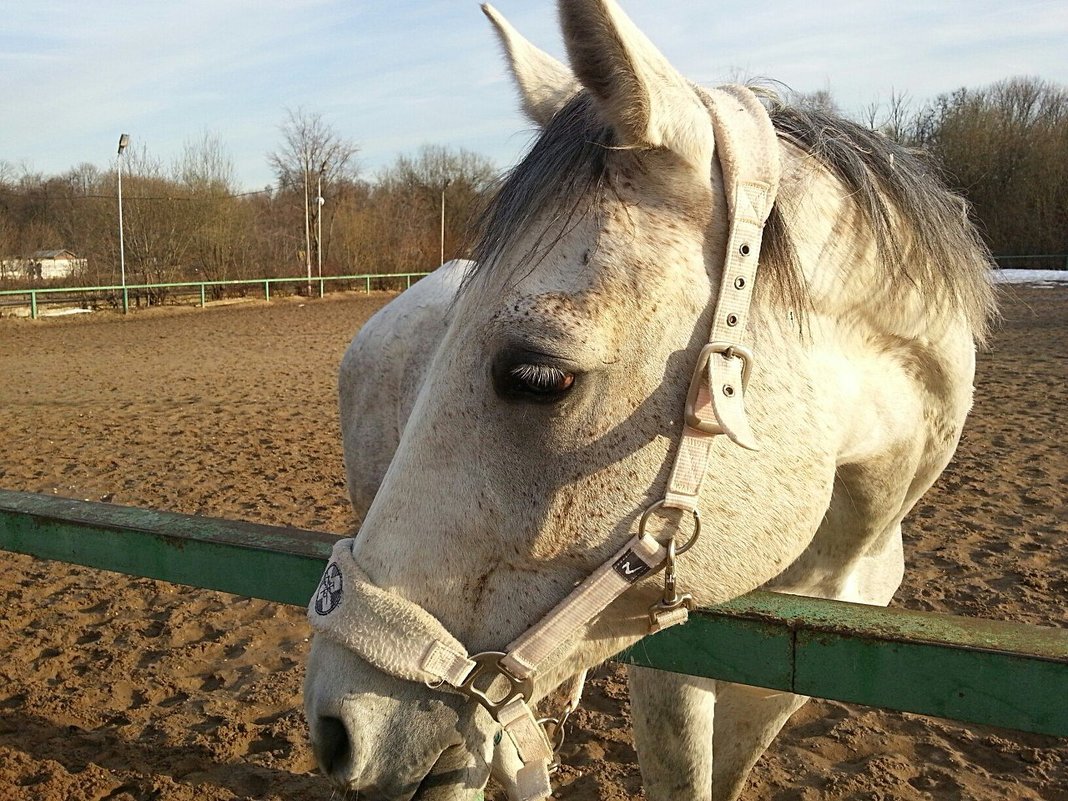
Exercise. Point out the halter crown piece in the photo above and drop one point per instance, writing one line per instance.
(403, 640)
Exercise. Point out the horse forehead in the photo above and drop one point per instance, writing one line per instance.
(621, 237)
(554, 307)
(629, 256)
(595, 315)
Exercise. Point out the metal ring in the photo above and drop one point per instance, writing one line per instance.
(696, 525)
(558, 736)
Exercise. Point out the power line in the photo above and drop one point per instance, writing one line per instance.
(71, 196)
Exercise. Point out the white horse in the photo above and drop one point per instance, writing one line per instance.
(506, 423)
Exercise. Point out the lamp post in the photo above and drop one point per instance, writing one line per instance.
(319, 229)
(124, 140)
(444, 186)
(307, 224)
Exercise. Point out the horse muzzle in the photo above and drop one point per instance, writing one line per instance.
(391, 740)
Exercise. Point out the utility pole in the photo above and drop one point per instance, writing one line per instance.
(319, 229)
(444, 186)
(307, 224)
(124, 140)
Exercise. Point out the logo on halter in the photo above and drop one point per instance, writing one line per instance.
(328, 596)
(630, 567)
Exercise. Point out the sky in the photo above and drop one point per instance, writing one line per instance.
(392, 76)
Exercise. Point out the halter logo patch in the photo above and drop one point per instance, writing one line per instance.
(331, 588)
(630, 567)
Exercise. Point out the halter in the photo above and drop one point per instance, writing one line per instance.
(402, 639)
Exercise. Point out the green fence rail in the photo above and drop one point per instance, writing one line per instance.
(980, 671)
(1052, 261)
(38, 296)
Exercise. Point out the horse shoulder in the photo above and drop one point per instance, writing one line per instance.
(899, 407)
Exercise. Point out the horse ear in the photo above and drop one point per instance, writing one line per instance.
(644, 98)
(545, 84)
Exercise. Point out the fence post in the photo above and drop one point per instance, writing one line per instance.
(266, 290)
(322, 287)
(408, 278)
(125, 300)
(33, 305)
(367, 284)
(202, 296)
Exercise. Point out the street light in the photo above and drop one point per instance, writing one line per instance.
(444, 186)
(124, 140)
(307, 224)
(319, 229)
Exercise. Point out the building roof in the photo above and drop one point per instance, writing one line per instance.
(53, 254)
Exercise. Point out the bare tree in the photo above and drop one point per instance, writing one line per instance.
(820, 100)
(896, 121)
(419, 187)
(312, 155)
(205, 164)
(219, 222)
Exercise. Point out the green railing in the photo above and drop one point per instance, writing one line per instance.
(38, 296)
(980, 671)
(1051, 261)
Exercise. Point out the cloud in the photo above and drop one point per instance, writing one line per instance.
(393, 76)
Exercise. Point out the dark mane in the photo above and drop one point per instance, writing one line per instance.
(568, 166)
(942, 254)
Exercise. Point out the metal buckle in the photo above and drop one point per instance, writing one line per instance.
(488, 663)
(728, 350)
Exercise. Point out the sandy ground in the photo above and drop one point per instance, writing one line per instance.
(121, 688)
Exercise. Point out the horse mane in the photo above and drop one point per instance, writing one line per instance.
(568, 168)
(943, 255)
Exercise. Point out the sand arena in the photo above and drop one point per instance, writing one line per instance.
(129, 689)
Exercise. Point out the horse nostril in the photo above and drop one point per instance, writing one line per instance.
(332, 745)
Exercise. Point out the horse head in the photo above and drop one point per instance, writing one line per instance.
(547, 427)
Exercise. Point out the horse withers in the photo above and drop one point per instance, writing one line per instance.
(531, 440)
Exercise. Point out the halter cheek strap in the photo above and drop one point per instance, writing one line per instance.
(402, 639)
(748, 152)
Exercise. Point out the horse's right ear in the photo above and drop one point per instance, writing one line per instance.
(545, 84)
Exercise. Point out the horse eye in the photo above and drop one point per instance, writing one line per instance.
(540, 383)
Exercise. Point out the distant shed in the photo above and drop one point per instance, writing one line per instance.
(44, 265)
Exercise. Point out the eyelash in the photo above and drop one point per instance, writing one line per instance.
(541, 377)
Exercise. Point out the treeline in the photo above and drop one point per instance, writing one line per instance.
(1004, 147)
(189, 221)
